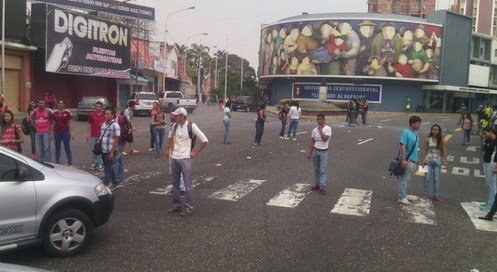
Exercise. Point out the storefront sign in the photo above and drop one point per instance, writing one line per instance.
(108, 6)
(338, 92)
(86, 45)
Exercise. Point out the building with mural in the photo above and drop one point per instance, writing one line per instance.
(389, 59)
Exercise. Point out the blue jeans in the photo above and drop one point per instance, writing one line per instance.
(66, 138)
(227, 126)
(178, 168)
(283, 125)
(181, 180)
(95, 159)
(364, 117)
(352, 118)
(159, 139)
(259, 130)
(320, 161)
(404, 180)
(109, 166)
(434, 169)
(152, 135)
(490, 178)
(118, 166)
(292, 128)
(43, 146)
(32, 135)
(466, 133)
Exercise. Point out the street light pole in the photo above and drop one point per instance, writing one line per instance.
(185, 56)
(226, 77)
(165, 45)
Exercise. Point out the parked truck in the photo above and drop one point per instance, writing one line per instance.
(171, 100)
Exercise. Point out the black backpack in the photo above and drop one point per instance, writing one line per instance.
(190, 132)
(26, 126)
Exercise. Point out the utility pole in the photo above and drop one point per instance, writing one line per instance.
(226, 77)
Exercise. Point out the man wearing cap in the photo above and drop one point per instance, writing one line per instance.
(180, 148)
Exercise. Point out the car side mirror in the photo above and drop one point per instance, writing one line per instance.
(23, 173)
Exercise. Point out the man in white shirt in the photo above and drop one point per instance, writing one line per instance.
(181, 140)
(318, 151)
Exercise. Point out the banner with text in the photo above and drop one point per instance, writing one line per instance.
(108, 6)
(338, 92)
(86, 45)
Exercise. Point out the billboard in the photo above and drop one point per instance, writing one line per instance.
(351, 48)
(338, 92)
(86, 45)
(108, 6)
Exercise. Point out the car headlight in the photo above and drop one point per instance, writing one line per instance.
(102, 190)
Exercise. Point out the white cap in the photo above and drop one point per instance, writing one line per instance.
(180, 111)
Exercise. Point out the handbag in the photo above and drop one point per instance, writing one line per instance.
(395, 167)
(97, 148)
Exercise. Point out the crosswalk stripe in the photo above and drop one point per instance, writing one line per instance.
(354, 202)
(418, 211)
(237, 190)
(291, 196)
(473, 211)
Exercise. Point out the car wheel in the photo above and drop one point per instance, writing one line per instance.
(67, 233)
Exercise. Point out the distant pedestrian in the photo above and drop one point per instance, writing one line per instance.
(467, 126)
(181, 141)
(433, 155)
(42, 117)
(32, 129)
(363, 110)
(463, 110)
(153, 111)
(220, 103)
(50, 100)
(259, 125)
(283, 116)
(128, 113)
(159, 122)
(489, 166)
(10, 132)
(95, 121)
(351, 112)
(318, 151)
(408, 155)
(295, 113)
(227, 122)
(110, 133)
(118, 165)
(63, 131)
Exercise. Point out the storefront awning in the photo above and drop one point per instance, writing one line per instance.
(451, 88)
(132, 81)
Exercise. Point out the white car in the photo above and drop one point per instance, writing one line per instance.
(143, 102)
(46, 203)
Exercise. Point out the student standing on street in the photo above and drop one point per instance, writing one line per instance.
(43, 120)
(227, 122)
(63, 131)
(318, 151)
(159, 122)
(95, 121)
(467, 126)
(32, 129)
(110, 132)
(433, 154)
(489, 166)
(153, 111)
(180, 148)
(10, 133)
(294, 113)
(128, 113)
(283, 116)
(409, 142)
(259, 125)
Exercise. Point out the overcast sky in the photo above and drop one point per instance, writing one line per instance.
(234, 25)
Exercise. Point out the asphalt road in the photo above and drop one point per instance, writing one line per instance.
(249, 235)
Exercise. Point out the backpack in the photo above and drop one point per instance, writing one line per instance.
(26, 126)
(280, 114)
(126, 128)
(190, 132)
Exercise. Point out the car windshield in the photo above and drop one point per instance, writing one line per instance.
(174, 95)
(91, 100)
(148, 96)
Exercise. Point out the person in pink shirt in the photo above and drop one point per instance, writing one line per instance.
(42, 118)
(62, 131)
(11, 133)
(95, 121)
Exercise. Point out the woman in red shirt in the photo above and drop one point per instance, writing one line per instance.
(62, 131)
(11, 133)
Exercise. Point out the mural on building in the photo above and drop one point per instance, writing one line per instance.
(356, 48)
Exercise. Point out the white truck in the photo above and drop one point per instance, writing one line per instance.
(171, 100)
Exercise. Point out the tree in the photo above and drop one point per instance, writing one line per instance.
(198, 56)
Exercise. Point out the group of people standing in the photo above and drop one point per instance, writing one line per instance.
(289, 115)
(356, 107)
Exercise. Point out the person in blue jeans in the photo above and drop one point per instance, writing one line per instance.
(32, 129)
(408, 155)
(433, 154)
(42, 118)
(63, 131)
(489, 166)
(159, 122)
(318, 151)
(294, 113)
(259, 125)
(227, 122)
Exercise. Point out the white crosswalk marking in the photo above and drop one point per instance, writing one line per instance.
(419, 211)
(473, 211)
(237, 190)
(472, 148)
(291, 196)
(474, 160)
(354, 202)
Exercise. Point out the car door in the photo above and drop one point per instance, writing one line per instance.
(17, 202)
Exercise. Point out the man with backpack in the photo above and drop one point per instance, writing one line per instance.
(181, 147)
(283, 116)
(128, 128)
